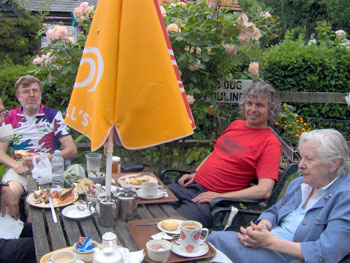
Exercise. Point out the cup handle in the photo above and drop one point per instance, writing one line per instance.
(206, 233)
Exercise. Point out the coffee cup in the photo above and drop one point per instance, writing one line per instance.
(150, 189)
(64, 257)
(190, 235)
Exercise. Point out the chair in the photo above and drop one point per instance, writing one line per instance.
(248, 209)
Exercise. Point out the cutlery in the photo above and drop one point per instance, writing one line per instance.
(53, 213)
(147, 224)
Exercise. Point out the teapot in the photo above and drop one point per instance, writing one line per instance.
(109, 252)
(127, 200)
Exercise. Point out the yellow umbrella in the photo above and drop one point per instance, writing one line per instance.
(128, 81)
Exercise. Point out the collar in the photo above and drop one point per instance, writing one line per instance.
(40, 113)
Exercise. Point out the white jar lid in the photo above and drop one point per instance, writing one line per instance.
(115, 159)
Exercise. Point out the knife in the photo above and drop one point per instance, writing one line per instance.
(53, 213)
(147, 224)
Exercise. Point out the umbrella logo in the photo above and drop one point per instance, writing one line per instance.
(93, 51)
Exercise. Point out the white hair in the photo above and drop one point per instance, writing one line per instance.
(330, 145)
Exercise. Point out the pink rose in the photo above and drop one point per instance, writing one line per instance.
(244, 38)
(37, 60)
(243, 19)
(173, 28)
(50, 35)
(77, 12)
(193, 67)
(254, 68)
(257, 34)
(61, 32)
(84, 7)
(190, 99)
(162, 10)
(230, 49)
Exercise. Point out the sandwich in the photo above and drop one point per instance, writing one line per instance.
(65, 193)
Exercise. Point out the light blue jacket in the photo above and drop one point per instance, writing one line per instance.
(324, 233)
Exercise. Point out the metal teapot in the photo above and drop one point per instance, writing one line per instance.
(127, 200)
(107, 211)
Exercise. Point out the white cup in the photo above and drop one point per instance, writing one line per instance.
(150, 189)
(158, 250)
(93, 162)
(64, 257)
(190, 235)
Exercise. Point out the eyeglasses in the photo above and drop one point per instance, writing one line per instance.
(28, 92)
(3, 113)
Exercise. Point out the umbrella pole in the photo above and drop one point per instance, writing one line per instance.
(109, 165)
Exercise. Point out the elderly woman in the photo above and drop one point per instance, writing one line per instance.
(312, 221)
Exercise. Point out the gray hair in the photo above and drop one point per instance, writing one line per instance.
(26, 81)
(330, 145)
(262, 90)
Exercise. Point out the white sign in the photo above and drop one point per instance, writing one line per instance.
(231, 91)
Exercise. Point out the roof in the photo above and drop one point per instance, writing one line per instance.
(53, 5)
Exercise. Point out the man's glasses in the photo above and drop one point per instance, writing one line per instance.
(28, 92)
(3, 113)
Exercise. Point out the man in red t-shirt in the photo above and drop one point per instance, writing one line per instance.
(246, 150)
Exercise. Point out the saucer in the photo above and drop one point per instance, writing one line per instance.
(202, 250)
(72, 212)
(159, 194)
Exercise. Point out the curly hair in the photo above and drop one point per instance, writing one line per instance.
(262, 90)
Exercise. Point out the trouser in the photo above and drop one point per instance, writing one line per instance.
(19, 250)
(188, 209)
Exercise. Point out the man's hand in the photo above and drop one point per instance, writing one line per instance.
(28, 162)
(20, 168)
(186, 180)
(205, 197)
(8, 199)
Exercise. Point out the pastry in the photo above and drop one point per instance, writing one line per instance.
(170, 225)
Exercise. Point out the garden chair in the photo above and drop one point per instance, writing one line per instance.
(248, 210)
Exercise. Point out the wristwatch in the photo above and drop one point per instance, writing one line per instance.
(3, 184)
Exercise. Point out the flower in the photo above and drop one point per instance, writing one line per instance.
(190, 99)
(265, 14)
(340, 34)
(254, 68)
(244, 38)
(173, 28)
(193, 67)
(187, 48)
(242, 20)
(211, 3)
(56, 33)
(211, 110)
(198, 50)
(230, 49)
(162, 10)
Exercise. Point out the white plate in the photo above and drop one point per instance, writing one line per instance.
(68, 201)
(177, 231)
(122, 178)
(139, 193)
(202, 250)
(72, 212)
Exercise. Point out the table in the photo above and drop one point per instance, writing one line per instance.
(49, 236)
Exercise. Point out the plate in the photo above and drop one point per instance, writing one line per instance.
(177, 231)
(72, 212)
(202, 250)
(69, 200)
(121, 180)
(139, 193)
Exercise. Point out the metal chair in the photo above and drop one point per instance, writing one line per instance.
(248, 210)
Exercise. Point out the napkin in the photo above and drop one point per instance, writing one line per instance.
(10, 228)
(132, 257)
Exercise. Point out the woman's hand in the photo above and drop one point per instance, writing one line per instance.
(186, 179)
(255, 236)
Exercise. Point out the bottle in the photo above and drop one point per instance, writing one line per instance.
(57, 166)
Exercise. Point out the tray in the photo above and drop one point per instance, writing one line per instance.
(147, 231)
(171, 197)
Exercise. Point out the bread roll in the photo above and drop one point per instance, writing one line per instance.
(170, 225)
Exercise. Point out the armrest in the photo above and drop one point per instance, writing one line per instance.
(178, 172)
(228, 202)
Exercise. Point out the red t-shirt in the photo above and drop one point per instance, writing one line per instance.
(240, 155)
